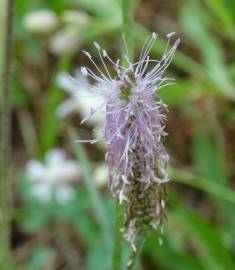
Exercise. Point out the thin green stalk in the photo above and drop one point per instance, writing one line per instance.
(117, 251)
(128, 50)
(128, 29)
(96, 198)
(6, 19)
(50, 121)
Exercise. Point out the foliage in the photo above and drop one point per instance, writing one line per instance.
(200, 140)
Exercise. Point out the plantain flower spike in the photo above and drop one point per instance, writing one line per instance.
(134, 133)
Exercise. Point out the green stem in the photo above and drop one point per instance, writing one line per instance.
(134, 255)
(91, 188)
(117, 252)
(6, 19)
(128, 49)
(50, 121)
(128, 29)
(95, 196)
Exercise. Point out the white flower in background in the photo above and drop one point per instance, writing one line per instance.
(54, 177)
(64, 41)
(81, 100)
(41, 21)
(101, 175)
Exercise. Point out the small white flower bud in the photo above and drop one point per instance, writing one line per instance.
(64, 41)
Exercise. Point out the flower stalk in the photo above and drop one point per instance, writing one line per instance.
(6, 21)
(128, 23)
(128, 29)
(133, 133)
(118, 238)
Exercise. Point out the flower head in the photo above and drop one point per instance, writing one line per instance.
(41, 21)
(80, 99)
(133, 132)
(53, 178)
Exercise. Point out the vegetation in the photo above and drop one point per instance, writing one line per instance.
(77, 231)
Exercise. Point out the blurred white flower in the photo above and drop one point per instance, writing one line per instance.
(40, 21)
(101, 175)
(65, 41)
(53, 178)
(81, 100)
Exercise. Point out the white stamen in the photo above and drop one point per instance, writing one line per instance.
(104, 53)
(84, 71)
(96, 44)
(89, 141)
(133, 247)
(157, 209)
(169, 35)
(162, 203)
(154, 35)
(124, 179)
(176, 43)
(87, 54)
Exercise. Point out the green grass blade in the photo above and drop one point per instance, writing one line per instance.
(209, 247)
(50, 122)
(98, 204)
(209, 157)
(222, 12)
(192, 21)
(202, 183)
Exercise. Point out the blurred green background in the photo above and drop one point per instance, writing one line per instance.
(63, 214)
